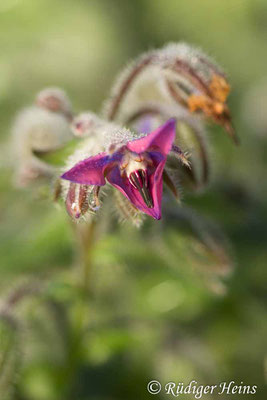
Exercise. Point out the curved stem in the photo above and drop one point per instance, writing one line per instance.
(127, 83)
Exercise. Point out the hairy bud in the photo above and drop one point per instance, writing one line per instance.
(37, 128)
(177, 74)
(86, 124)
(55, 100)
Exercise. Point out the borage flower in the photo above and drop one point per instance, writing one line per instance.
(135, 169)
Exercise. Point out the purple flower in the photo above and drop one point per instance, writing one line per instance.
(135, 169)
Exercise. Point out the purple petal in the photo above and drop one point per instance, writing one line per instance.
(160, 139)
(155, 186)
(89, 171)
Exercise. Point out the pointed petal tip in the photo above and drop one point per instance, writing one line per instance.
(156, 215)
(65, 176)
(171, 122)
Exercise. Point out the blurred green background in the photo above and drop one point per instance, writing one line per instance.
(159, 310)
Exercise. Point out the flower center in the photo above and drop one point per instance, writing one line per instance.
(138, 179)
(135, 166)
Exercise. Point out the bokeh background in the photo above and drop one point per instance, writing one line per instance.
(158, 308)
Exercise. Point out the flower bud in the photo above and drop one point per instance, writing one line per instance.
(54, 100)
(37, 129)
(177, 74)
(86, 124)
(77, 200)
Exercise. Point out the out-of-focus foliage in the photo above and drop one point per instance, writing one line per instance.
(162, 304)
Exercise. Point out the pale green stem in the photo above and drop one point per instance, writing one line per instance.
(86, 237)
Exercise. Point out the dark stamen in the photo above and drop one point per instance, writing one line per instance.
(139, 181)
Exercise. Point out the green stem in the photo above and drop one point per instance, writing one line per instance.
(86, 237)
